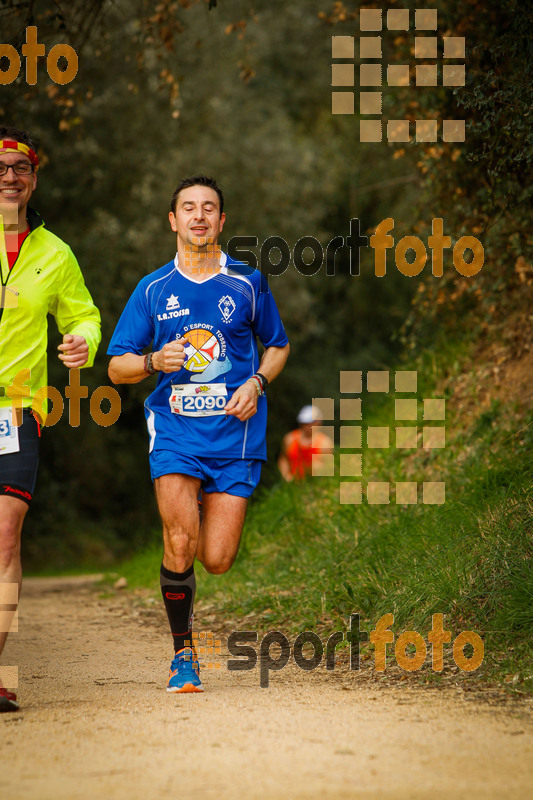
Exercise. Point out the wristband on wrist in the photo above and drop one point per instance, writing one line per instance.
(263, 380)
(258, 385)
(148, 364)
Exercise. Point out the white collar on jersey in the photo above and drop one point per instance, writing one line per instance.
(223, 260)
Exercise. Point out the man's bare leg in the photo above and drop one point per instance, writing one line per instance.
(221, 529)
(12, 513)
(215, 543)
(177, 498)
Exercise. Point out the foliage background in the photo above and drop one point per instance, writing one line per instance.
(241, 90)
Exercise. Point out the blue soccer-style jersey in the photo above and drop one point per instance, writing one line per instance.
(218, 320)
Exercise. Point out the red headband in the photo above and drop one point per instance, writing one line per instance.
(23, 148)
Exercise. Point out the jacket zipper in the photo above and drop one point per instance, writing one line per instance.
(10, 271)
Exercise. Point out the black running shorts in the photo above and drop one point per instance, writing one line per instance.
(18, 471)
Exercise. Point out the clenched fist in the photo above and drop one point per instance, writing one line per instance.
(74, 351)
(170, 358)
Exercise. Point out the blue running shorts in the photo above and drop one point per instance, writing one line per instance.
(235, 476)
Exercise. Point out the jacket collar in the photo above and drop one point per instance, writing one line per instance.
(35, 220)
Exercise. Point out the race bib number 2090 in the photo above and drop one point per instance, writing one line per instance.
(205, 400)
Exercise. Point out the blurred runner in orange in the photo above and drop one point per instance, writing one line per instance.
(299, 446)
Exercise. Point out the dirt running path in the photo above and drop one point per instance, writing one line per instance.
(95, 722)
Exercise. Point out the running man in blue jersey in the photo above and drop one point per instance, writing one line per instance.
(202, 314)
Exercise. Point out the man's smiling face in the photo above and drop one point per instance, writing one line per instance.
(16, 188)
(197, 219)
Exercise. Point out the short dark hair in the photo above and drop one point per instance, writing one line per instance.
(197, 180)
(8, 132)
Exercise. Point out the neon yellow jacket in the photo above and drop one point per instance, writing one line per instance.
(44, 279)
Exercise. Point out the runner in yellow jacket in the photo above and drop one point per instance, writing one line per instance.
(45, 278)
(39, 275)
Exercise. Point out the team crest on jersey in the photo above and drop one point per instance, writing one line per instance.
(226, 305)
(205, 353)
(172, 303)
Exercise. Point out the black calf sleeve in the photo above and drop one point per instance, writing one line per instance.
(178, 589)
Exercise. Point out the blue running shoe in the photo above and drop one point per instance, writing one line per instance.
(184, 675)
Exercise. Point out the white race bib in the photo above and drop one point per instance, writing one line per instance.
(199, 400)
(9, 433)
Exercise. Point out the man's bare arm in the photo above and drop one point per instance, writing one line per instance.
(129, 367)
(273, 361)
(243, 402)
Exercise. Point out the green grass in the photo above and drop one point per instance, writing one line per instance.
(306, 562)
